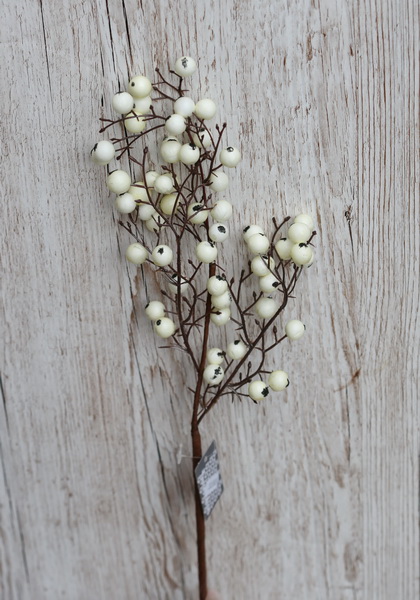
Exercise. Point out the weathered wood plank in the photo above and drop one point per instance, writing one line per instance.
(321, 486)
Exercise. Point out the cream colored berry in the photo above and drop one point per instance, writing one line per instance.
(134, 122)
(202, 139)
(162, 255)
(268, 283)
(218, 181)
(230, 157)
(306, 220)
(184, 106)
(185, 66)
(136, 253)
(102, 152)
(215, 356)
(155, 310)
(301, 254)
(205, 109)
(236, 350)
(139, 86)
(122, 103)
(221, 211)
(266, 308)
(125, 203)
(278, 381)
(295, 329)
(164, 327)
(169, 204)
(258, 243)
(262, 265)
(284, 248)
(258, 390)
(197, 213)
(216, 285)
(206, 252)
(298, 232)
(221, 301)
(213, 374)
(220, 316)
(118, 181)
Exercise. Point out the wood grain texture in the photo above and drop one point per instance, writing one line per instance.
(321, 486)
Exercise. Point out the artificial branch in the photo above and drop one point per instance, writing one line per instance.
(181, 202)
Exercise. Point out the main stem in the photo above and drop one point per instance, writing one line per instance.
(197, 453)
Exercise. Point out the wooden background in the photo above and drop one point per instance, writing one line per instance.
(321, 483)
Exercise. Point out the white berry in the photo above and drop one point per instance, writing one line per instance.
(213, 374)
(205, 109)
(169, 204)
(185, 66)
(295, 329)
(142, 105)
(125, 203)
(221, 300)
(139, 192)
(218, 232)
(197, 213)
(176, 281)
(258, 390)
(146, 211)
(298, 232)
(216, 285)
(278, 381)
(236, 350)
(102, 152)
(150, 178)
(155, 310)
(136, 253)
(301, 254)
(268, 283)
(206, 252)
(215, 356)
(169, 150)
(261, 265)
(218, 181)
(306, 220)
(230, 157)
(220, 316)
(164, 184)
(184, 106)
(118, 181)
(221, 211)
(154, 222)
(139, 86)
(283, 248)
(266, 308)
(145, 208)
(134, 122)
(122, 103)
(175, 124)
(251, 230)
(189, 154)
(202, 139)
(258, 243)
(162, 256)
(164, 327)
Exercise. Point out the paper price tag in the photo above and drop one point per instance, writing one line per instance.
(209, 480)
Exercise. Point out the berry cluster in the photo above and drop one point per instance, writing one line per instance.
(182, 201)
(181, 197)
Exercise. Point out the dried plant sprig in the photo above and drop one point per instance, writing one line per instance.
(182, 201)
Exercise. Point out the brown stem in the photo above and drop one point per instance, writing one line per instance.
(199, 518)
(197, 453)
